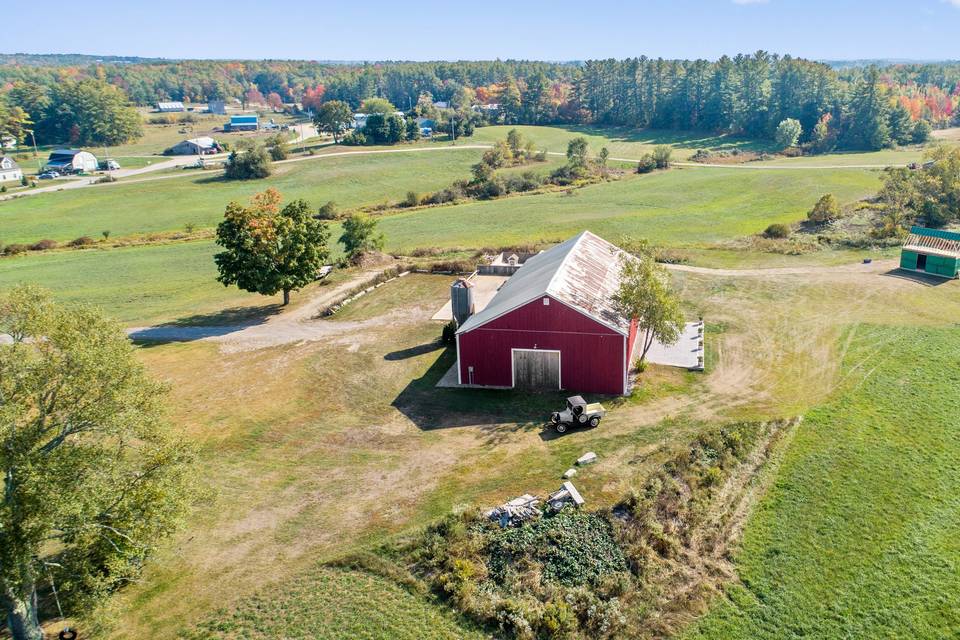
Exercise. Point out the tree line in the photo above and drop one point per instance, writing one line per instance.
(750, 95)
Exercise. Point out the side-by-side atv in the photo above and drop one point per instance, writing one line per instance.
(577, 414)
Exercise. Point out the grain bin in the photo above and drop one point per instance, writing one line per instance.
(461, 300)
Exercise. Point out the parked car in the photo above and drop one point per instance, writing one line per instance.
(109, 165)
(49, 175)
(577, 413)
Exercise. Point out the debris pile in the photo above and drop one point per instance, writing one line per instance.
(567, 495)
(516, 511)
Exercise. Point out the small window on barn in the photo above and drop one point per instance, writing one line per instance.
(546, 302)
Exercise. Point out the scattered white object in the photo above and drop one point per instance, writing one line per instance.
(569, 473)
(588, 458)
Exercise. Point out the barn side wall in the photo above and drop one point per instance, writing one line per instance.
(591, 359)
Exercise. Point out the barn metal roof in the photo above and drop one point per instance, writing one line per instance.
(583, 272)
(933, 242)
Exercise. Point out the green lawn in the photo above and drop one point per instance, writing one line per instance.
(165, 205)
(857, 537)
(338, 604)
(621, 141)
(677, 207)
(682, 207)
(135, 284)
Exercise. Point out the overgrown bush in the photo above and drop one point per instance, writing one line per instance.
(646, 164)
(777, 231)
(82, 241)
(250, 164)
(328, 211)
(44, 245)
(661, 156)
(14, 249)
(411, 200)
(825, 210)
(449, 333)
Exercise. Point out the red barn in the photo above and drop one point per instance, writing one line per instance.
(552, 325)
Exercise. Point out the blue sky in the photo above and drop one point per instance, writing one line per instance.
(486, 29)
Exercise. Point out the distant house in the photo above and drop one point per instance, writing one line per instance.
(218, 107)
(8, 142)
(359, 120)
(441, 105)
(9, 169)
(243, 122)
(71, 161)
(932, 251)
(202, 146)
(170, 107)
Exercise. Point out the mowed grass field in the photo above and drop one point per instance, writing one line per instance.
(857, 537)
(133, 284)
(165, 205)
(679, 207)
(622, 142)
(345, 442)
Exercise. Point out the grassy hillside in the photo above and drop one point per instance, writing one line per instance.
(135, 284)
(622, 142)
(164, 205)
(682, 207)
(857, 536)
(677, 207)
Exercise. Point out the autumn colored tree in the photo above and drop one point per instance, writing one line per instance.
(313, 98)
(268, 249)
(275, 101)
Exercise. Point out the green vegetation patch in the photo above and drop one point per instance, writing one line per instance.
(336, 604)
(857, 538)
(572, 548)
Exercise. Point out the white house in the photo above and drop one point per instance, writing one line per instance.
(359, 120)
(9, 169)
(71, 161)
(204, 145)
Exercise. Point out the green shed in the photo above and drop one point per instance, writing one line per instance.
(932, 251)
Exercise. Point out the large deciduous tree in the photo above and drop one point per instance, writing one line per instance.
(94, 479)
(645, 295)
(334, 117)
(268, 249)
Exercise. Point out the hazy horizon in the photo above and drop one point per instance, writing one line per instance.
(559, 31)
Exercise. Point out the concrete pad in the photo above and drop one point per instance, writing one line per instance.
(484, 288)
(682, 354)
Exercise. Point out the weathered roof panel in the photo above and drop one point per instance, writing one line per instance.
(583, 272)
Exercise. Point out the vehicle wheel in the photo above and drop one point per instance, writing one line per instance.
(594, 421)
(560, 427)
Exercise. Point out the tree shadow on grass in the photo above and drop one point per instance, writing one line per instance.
(501, 412)
(677, 139)
(205, 325)
(412, 352)
(915, 276)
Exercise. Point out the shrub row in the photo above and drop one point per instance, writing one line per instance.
(45, 245)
